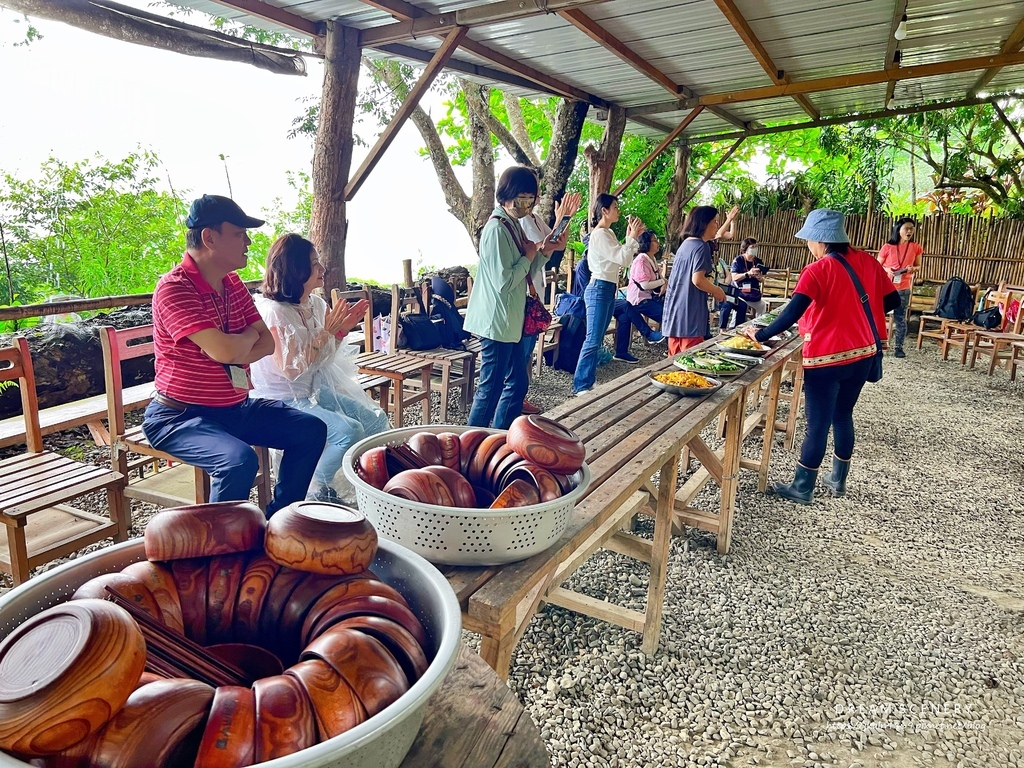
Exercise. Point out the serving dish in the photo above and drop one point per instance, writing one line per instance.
(687, 391)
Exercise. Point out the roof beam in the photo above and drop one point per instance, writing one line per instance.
(653, 124)
(1013, 44)
(460, 65)
(899, 8)
(276, 15)
(440, 23)
(707, 176)
(658, 150)
(746, 33)
(430, 72)
(833, 83)
(400, 9)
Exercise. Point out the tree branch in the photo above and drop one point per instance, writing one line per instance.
(508, 141)
(134, 26)
(515, 119)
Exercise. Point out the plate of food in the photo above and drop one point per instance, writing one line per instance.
(766, 319)
(744, 346)
(706, 363)
(684, 383)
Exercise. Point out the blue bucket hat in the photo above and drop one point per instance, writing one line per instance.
(824, 226)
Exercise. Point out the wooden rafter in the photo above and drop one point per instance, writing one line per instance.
(659, 149)
(276, 15)
(721, 161)
(899, 8)
(430, 72)
(754, 45)
(1013, 44)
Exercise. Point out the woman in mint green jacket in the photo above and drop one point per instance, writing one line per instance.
(497, 305)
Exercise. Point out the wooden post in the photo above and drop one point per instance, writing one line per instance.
(407, 272)
(332, 156)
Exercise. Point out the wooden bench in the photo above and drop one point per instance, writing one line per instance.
(631, 431)
(90, 412)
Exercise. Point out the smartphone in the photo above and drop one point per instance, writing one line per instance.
(562, 226)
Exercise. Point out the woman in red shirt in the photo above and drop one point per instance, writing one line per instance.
(901, 258)
(838, 345)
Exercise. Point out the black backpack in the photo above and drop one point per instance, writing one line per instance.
(955, 300)
(450, 327)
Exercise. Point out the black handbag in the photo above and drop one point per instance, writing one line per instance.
(418, 331)
(875, 371)
(989, 319)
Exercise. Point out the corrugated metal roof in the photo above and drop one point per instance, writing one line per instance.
(694, 45)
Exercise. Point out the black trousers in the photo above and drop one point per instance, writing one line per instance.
(830, 393)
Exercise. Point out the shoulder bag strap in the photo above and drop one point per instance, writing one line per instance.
(516, 237)
(864, 302)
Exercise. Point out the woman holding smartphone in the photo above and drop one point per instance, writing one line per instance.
(607, 258)
(901, 258)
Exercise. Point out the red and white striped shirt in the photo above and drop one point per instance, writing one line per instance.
(184, 303)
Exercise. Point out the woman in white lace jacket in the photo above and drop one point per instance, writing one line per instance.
(311, 368)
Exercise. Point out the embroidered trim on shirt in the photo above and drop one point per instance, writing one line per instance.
(839, 357)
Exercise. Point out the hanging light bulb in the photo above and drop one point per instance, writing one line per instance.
(901, 30)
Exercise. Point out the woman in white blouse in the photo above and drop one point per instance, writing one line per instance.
(311, 367)
(607, 258)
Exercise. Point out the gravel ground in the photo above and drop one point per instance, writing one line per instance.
(884, 629)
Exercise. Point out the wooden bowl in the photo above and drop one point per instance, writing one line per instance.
(73, 757)
(503, 453)
(547, 444)
(64, 673)
(481, 457)
(128, 587)
(205, 530)
(427, 447)
(286, 643)
(484, 497)
(254, 660)
(148, 677)
(373, 467)
(364, 663)
(161, 724)
(500, 477)
(286, 581)
(461, 490)
(400, 643)
(224, 574)
(191, 579)
(540, 478)
(469, 441)
(336, 706)
(252, 593)
(342, 592)
(422, 486)
(321, 538)
(160, 581)
(371, 605)
(518, 493)
(229, 738)
(285, 722)
(450, 450)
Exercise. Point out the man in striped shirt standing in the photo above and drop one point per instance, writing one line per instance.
(206, 332)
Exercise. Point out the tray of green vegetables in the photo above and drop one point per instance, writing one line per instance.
(705, 362)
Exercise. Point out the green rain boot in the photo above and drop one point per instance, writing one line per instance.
(837, 480)
(801, 490)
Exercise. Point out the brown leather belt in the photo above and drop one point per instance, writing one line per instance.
(169, 402)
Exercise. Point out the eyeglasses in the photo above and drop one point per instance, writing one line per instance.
(526, 199)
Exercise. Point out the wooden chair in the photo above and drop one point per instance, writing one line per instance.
(36, 488)
(931, 326)
(389, 374)
(454, 367)
(957, 334)
(171, 483)
(997, 345)
(1016, 358)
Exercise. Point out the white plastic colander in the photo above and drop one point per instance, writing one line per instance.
(455, 536)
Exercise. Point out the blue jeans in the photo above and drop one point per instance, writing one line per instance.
(600, 300)
(502, 385)
(633, 315)
(219, 440)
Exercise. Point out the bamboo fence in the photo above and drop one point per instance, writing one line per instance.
(979, 250)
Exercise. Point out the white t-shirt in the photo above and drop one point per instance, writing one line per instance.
(537, 230)
(607, 258)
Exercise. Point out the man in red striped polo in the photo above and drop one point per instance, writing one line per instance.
(206, 332)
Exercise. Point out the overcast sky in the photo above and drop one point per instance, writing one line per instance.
(73, 94)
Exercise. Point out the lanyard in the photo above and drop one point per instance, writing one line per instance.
(223, 322)
(906, 250)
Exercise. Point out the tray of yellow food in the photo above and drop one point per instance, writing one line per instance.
(684, 383)
(744, 346)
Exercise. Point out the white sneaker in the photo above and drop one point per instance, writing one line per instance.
(583, 392)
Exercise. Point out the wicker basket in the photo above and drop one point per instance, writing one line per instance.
(455, 536)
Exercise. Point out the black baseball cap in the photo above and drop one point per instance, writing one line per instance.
(210, 210)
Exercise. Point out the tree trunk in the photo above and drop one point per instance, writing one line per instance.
(482, 202)
(679, 192)
(602, 159)
(332, 156)
(562, 153)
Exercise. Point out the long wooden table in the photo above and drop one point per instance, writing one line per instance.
(632, 431)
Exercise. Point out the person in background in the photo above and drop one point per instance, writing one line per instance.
(643, 298)
(901, 258)
(206, 333)
(606, 258)
(539, 233)
(838, 345)
(497, 306)
(746, 273)
(311, 368)
(686, 319)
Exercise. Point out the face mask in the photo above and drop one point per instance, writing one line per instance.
(523, 207)
(752, 251)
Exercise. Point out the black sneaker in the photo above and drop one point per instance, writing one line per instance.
(899, 353)
(626, 358)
